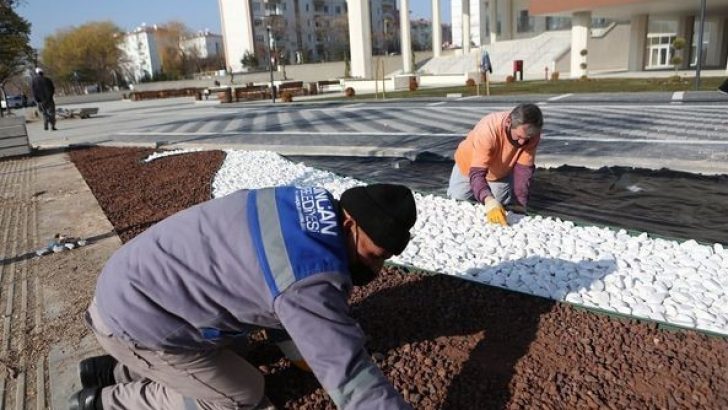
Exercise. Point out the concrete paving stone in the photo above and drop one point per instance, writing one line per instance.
(44, 195)
(293, 128)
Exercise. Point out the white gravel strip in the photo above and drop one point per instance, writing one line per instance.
(162, 154)
(685, 284)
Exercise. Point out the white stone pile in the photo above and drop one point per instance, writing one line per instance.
(162, 154)
(684, 284)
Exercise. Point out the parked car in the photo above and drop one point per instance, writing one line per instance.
(12, 101)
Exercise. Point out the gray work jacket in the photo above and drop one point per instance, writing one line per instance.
(273, 258)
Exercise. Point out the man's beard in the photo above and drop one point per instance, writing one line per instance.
(361, 275)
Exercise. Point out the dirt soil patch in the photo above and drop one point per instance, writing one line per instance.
(446, 343)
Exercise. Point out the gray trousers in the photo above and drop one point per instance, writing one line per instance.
(147, 379)
(48, 109)
(459, 188)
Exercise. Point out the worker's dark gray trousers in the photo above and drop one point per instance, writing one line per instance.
(158, 380)
(459, 187)
(48, 109)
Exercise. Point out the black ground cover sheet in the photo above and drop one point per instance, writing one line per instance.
(665, 203)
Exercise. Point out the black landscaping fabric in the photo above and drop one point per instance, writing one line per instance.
(664, 203)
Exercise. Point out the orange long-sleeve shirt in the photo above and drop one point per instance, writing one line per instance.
(487, 146)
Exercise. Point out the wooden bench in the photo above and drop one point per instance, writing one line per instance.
(13, 137)
(82, 113)
(152, 95)
(324, 85)
(252, 92)
(293, 87)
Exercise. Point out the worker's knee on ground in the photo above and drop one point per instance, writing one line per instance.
(252, 392)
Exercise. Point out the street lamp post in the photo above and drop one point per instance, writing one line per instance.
(270, 64)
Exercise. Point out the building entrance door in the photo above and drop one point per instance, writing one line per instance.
(659, 50)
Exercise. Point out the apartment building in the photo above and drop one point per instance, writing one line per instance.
(142, 53)
(300, 30)
(203, 44)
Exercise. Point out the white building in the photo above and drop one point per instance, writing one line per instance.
(302, 30)
(630, 34)
(203, 45)
(385, 25)
(421, 34)
(142, 57)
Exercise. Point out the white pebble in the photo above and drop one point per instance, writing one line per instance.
(681, 283)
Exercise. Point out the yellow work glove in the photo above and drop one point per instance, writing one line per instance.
(289, 349)
(494, 211)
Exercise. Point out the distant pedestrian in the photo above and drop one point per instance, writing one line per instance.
(43, 91)
(485, 64)
(724, 87)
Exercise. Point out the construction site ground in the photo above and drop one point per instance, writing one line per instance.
(473, 346)
(44, 298)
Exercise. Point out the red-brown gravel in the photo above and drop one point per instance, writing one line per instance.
(446, 343)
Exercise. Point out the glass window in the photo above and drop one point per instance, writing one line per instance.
(656, 25)
(525, 22)
(557, 23)
(600, 22)
(709, 27)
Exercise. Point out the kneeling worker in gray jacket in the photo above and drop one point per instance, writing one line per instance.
(170, 304)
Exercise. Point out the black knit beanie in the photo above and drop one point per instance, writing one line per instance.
(386, 212)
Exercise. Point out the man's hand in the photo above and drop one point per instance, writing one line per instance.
(494, 211)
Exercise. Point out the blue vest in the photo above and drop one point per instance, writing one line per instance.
(296, 233)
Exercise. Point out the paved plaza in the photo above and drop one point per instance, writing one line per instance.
(687, 132)
(45, 194)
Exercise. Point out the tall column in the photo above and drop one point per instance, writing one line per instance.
(482, 18)
(436, 29)
(466, 26)
(637, 43)
(506, 19)
(360, 38)
(580, 25)
(406, 37)
(715, 48)
(237, 29)
(493, 20)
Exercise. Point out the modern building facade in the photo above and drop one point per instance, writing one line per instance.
(642, 31)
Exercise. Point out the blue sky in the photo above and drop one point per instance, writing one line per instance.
(47, 16)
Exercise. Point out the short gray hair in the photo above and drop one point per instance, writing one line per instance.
(527, 114)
